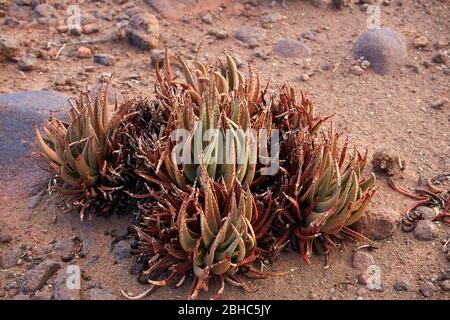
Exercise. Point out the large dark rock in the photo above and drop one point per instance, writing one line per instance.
(384, 48)
(18, 114)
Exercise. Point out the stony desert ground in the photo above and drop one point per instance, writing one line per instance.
(395, 98)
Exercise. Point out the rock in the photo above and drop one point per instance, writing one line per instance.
(13, 284)
(36, 278)
(421, 42)
(89, 68)
(289, 48)
(61, 290)
(104, 59)
(101, 294)
(9, 259)
(11, 22)
(143, 31)
(425, 230)
(442, 43)
(310, 35)
(426, 213)
(445, 285)
(2, 293)
(27, 62)
(13, 292)
(45, 13)
(9, 48)
(251, 36)
(90, 28)
(104, 77)
(24, 2)
(427, 289)
(88, 18)
(417, 68)
(157, 56)
(75, 30)
(378, 225)
(271, 17)
(60, 79)
(361, 291)
(356, 70)
(121, 251)
(402, 285)
(60, 247)
(44, 294)
(21, 297)
(389, 163)
(304, 77)
(136, 268)
(362, 260)
(84, 52)
(365, 64)
(207, 18)
(259, 53)
(439, 104)
(219, 34)
(20, 111)
(384, 48)
(62, 28)
(441, 57)
(446, 272)
(5, 238)
(67, 257)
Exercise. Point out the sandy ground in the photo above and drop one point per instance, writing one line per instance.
(391, 111)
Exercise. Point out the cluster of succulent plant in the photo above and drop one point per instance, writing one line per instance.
(79, 152)
(205, 217)
(324, 190)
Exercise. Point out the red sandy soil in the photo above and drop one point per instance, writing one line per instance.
(381, 112)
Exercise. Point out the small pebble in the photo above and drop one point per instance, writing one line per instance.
(425, 230)
(207, 18)
(402, 285)
(356, 70)
(304, 77)
(421, 42)
(445, 285)
(427, 289)
(84, 52)
(365, 64)
(27, 63)
(104, 59)
(441, 57)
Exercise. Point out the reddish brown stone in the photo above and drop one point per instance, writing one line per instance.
(378, 225)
